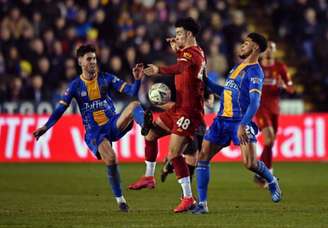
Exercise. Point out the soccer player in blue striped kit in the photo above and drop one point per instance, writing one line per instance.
(240, 99)
(102, 124)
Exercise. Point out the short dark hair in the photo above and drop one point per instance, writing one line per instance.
(188, 24)
(85, 48)
(259, 40)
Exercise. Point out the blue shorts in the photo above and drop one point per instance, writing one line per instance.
(222, 131)
(94, 137)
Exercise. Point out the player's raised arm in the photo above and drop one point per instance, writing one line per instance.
(123, 87)
(57, 113)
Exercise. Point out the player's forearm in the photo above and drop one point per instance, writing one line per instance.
(254, 104)
(177, 68)
(217, 89)
(132, 89)
(55, 116)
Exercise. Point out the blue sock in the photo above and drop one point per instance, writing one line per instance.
(114, 180)
(263, 171)
(138, 115)
(203, 178)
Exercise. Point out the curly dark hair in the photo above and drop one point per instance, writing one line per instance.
(188, 24)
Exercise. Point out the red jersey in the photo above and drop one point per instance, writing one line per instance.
(273, 77)
(189, 86)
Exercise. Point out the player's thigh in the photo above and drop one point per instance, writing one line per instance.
(106, 152)
(248, 152)
(177, 144)
(126, 115)
(208, 150)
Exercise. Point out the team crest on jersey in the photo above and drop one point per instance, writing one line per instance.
(83, 93)
(187, 55)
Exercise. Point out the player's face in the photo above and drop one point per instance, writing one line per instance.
(246, 48)
(181, 36)
(88, 62)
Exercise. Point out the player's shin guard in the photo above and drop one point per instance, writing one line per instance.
(182, 174)
(263, 171)
(151, 150)
(266, 155)
(138, 115)
(203, 178)
(114, 180)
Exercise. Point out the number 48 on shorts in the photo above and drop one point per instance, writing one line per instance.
(183, 123)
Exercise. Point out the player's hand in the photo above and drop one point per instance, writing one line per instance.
(242, 134)
(39, 132)
(138, 71)
(151, 70)
(173, 43)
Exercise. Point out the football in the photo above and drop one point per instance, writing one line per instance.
(159, 94)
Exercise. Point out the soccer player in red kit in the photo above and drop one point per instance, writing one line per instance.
(276, 78)
(180, 121)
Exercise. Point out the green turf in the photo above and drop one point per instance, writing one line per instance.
(77, 195)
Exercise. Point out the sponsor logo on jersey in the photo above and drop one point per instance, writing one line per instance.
(231, 84)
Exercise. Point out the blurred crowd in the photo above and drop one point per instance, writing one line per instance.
(302, 25)
(38, 38)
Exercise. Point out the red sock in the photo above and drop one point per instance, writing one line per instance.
(180, 167)
(151, 150)
(266, 156)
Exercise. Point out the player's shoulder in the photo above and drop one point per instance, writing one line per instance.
(255, 69)
(193, 51)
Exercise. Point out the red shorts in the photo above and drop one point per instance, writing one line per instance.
(265, 119)
(180, 123)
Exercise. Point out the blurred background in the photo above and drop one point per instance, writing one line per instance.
(38, 40)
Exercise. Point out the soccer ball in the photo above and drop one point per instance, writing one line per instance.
(159, 94)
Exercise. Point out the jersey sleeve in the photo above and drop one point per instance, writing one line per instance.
(255, 80)
(68, 95)
(115, 82)
(122, 86)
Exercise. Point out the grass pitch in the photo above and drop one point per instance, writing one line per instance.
(77, 195)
